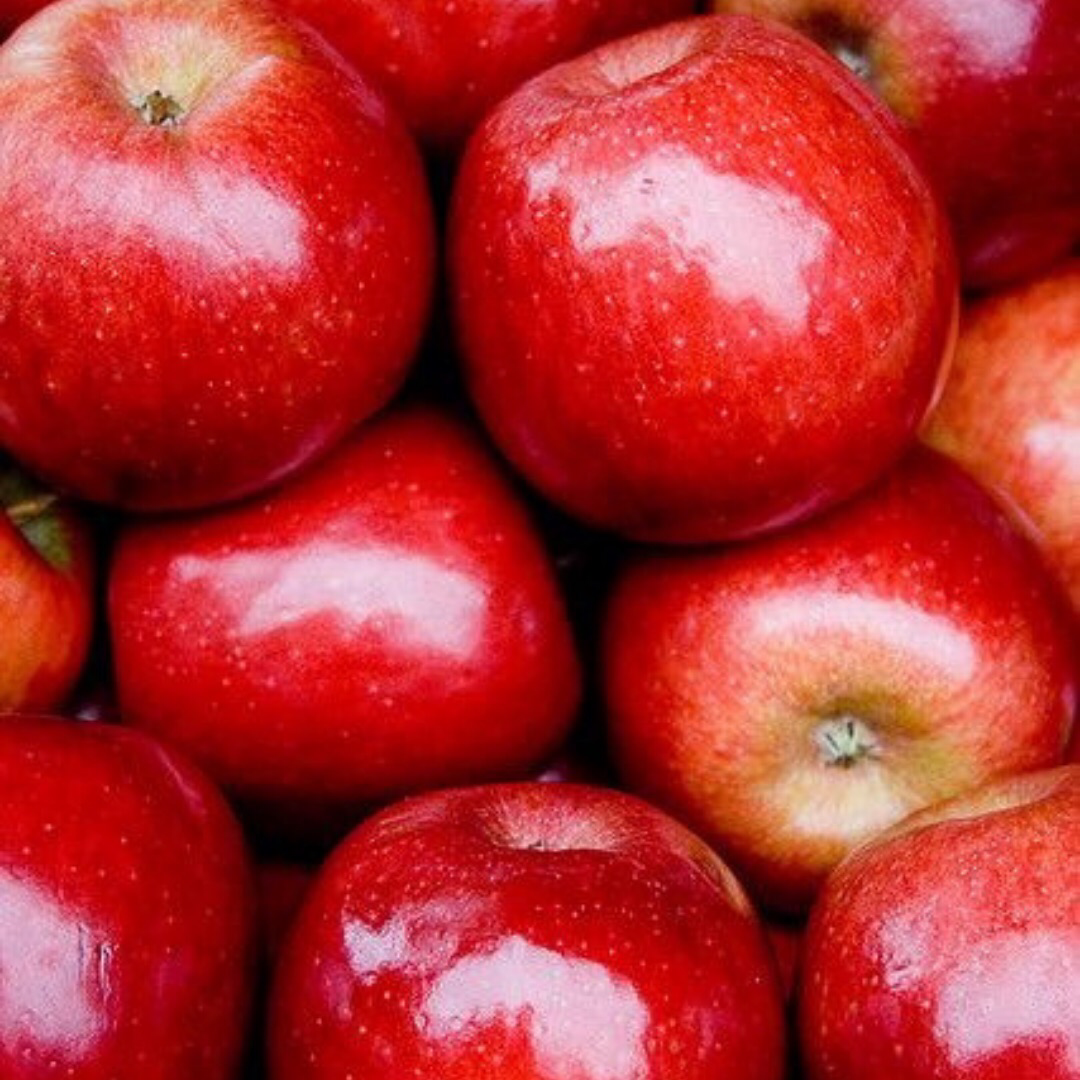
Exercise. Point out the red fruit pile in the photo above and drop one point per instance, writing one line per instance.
(644, 650)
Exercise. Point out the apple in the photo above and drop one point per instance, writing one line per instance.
(47, 579)
(445, 65)
(216, 254)
(387, 622)
(990, 91)
(702, 289)
(530, 931)
(950, 947)
(792, 697)
(1010, 412)
(126, 910)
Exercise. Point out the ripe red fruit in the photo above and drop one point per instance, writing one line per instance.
(46, 594)
(384, 623)
(216, 252)
(789, 699)
(951, 947)
(990, 91)
(445, 65)
(1010, 412)
(528, 931)
(702, 288)
(126, 910)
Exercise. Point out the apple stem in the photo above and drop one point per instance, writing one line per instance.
(160, 110)
(845, 740)
(31, 508)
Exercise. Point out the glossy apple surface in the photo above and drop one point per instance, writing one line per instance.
(126, 912)
(444, 65)
(1010, 412)
(789, 699)
(702, 288)
(990, 91)
(216, 252)
(385, 623)
(951, 948)
(533, 931)
(46, 594)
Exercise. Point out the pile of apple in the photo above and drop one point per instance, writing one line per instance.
(541, 540)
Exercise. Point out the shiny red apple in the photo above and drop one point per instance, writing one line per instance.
(532, 931)
(384, 623)
(990, 90)
(950, 948)
(47, 580)
(790, 698)
(445, 65)
(702, 288)
(126, 911)
(216, 249)
(1010, 412)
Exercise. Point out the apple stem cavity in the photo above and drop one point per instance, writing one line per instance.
(844, 741)
(160, 110)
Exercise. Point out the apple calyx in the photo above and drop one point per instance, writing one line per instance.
(159, 109)
(843, 741)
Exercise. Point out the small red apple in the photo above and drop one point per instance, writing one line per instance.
(1010, 412)
(790, 698)
(702, 288)
(531, 931)
(990, 90)
(950, 947)
(384, 623)
(46, 594)
(216, 249)
(126, 910)
(445, 65)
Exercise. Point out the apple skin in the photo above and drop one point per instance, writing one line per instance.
(192, 309)
(950, 947)
(1010, 411)
(385, 623)
(991, 94)
(701, 287)
(534, 931)
(790, 698)
(445, 65)
(126, 910)
(47, 582)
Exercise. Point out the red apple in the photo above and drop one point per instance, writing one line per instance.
(990, 90)
(702, 288)
(530, 931)
(46, 594)
(385, 623)
(950, 948)
(126, 911)
(216, 249)
(1010, 412)
(445, 64)
(790, 698)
